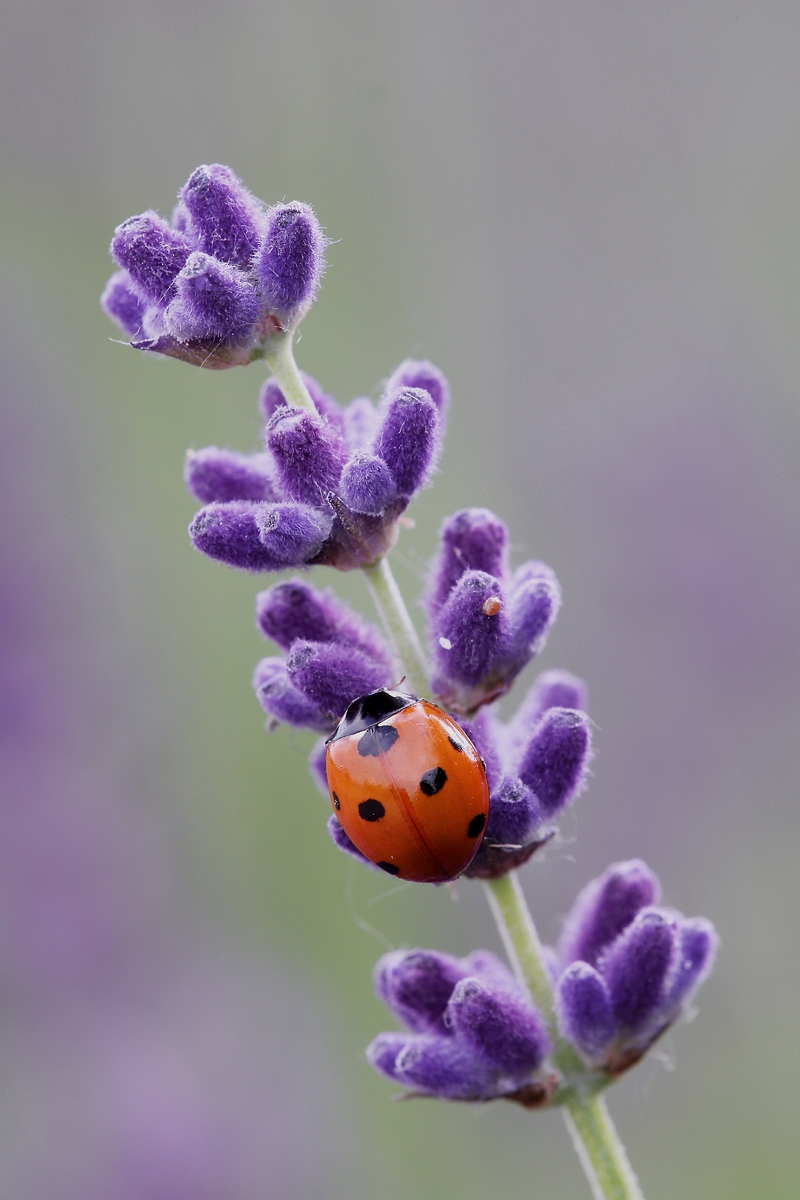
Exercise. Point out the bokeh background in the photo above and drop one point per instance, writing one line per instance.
(587, 214)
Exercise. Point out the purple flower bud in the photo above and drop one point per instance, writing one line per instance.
(282, 701)
(383, 1051)
(500, 1026)
(213, 474)
(696, 950)
(293, 611)
(213, 301)
(291, 260)
(551, 689)
(470, 630)
(637, 966)
(152, 253)
(515, 830)
(473, 539)
(490, 970)
(366, 485)
(226, 218)
(292, 533)
(408, 438)
(259, 537)
(557, 689)
(271, 398)
(488, 736)
(584, 1011)
(182, 221)
(342, 841)
(555, 761)
(534, 601)
(417, 985)
(605, 908)
(332, 675)
(424, 375)
(123, 304)
(514, 814)
(307, 454)
(438, 1066)
(360, 420)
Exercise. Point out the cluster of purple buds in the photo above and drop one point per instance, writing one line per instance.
(223, 278)
(535, 765)
(329, 486)
(484, 622)
(623, 973)
(474, 1033)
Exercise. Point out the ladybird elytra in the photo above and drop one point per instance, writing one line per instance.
(408, 786)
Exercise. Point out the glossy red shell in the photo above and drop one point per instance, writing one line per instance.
(413, 797)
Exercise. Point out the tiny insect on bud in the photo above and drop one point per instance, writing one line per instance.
(491, 606)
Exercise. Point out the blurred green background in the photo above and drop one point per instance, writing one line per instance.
(587, 216)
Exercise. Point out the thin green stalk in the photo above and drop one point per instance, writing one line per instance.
(397, 623)
(594, 1137)
(600, 1150)
(280, 358)
(521, 941)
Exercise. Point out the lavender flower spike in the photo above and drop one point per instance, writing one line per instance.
(223, 280)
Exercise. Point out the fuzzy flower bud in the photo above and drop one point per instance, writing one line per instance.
(213, 301)
(408, 438)
(152, 254)
(290, 261)
(225, 218)
(259, 537)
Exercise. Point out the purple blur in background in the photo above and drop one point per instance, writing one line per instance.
(143, 1047)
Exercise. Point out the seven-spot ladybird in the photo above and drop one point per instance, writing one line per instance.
(408, 786)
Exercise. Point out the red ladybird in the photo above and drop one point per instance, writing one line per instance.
(408, 786)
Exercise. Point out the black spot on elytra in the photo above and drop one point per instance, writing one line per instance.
(389, 868)
(376, 740)
(371, 810)
(456, 745)
(335, 799)
(433, 781)
(476, 825)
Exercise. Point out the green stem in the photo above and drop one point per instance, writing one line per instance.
(594, 1137)
(600, 1150)
(397, 623)
(280, 358)
(521, 940)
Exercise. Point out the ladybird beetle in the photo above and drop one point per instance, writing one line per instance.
(408, 786)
